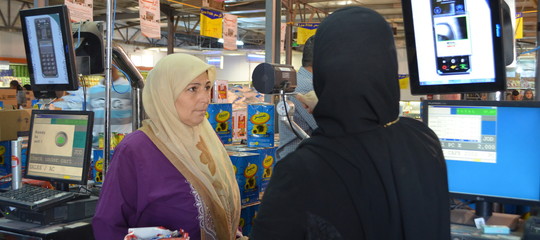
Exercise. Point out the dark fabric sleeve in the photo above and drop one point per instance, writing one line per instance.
(116, 203)
(281, 215)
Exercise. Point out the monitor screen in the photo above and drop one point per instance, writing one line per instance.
(49, 48)
(492, 149)
(454, 46)
(59, 146)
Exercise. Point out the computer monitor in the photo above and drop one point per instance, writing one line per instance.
(49, 48)
(492, 149)
(59, 146)
(455, 46)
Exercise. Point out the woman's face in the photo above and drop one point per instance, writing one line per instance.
(193, 101)
(528, 94)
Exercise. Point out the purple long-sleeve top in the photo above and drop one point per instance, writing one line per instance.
(143, 189)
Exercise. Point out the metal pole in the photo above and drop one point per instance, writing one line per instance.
(288, 32)
(108, 81)
(273, 33)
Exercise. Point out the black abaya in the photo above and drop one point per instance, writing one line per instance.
(364, 173)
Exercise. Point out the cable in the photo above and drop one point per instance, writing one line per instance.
(79, 35)
(129, 80)
(287, 112)
(530, 51)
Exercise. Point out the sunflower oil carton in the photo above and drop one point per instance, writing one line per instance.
(246, 166)
(247, 217)
(220, 117)
(5, 164)
(260, 125)
(267, 162)
(97, 165)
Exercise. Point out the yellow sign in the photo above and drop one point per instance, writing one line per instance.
(306, 30)
(211, 23)
(403, 81)
(519, 26)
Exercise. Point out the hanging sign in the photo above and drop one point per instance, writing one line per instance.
(230, 30)
(519, 26)
(214, 4)
(211, 23)
(306, 30)
(403, 81)
(80, 10)
(149, 14)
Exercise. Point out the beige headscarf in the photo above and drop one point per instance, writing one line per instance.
(195, 151)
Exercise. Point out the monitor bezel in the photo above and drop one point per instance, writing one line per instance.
(498, 53)
(87, 150)
(67, 44)
(480, 197)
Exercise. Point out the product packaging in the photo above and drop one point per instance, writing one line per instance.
(220, 91)
(246, 167)
(97, 165)
(239, 124)
(220, 117)
(260, 126)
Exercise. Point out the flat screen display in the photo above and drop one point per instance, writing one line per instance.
(454, 46)
(491, 148)
(49, 48)
(59, 146)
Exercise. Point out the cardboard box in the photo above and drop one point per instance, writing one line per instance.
(8, 96)
(12, 122)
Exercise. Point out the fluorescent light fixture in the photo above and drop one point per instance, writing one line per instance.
(255, 58)
(238, 43)
(216, 61)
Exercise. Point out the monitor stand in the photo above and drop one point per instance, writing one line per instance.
(466, 217)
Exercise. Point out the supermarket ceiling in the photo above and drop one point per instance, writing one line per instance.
(251, 18)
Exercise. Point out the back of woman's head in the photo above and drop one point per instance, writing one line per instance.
(355, 72)
(15, 85)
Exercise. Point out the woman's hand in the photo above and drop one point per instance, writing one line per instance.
(309, 100)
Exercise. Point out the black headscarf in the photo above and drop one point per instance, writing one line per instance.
(364, 173)
(355, 72)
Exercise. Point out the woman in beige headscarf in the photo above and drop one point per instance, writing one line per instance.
(173, 172)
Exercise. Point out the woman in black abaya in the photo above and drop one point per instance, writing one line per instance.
(365, 173)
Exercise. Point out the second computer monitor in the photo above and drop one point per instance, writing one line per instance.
(492, 149)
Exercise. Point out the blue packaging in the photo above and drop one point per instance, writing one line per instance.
(220, 117)
(97, 165)
(5, 158)
(247, 217)
(5, 164)
(267, 162)
(260, 127)
(1, 105)
(246, 168)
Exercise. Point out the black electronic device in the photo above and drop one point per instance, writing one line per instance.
(491, 151)
(49, 48)
(454, 46)
(65, 212)
(272, 78)
(59, 146)
(89, 49)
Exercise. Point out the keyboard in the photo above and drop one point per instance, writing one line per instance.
(35, 198)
